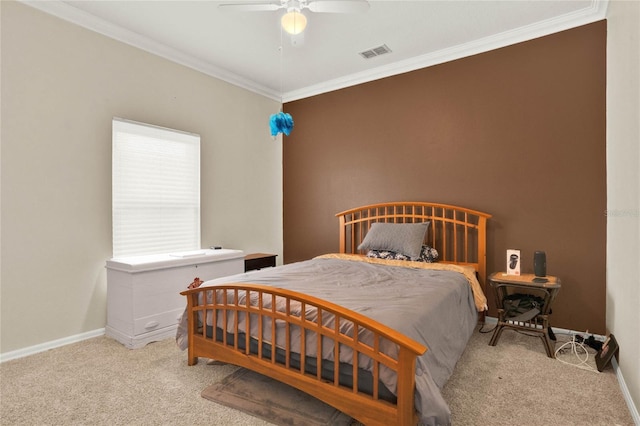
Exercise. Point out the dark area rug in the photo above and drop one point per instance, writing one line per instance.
(272, 401)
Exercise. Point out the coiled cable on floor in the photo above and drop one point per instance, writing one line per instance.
(575, 346)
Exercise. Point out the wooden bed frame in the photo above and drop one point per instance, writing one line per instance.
(459, 235)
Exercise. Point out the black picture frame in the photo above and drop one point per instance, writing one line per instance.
(608, 350)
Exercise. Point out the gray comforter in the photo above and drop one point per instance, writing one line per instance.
(434, 307)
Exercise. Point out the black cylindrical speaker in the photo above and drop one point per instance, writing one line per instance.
(540, 264)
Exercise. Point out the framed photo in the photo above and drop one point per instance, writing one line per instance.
(608, 350)
(513, 262)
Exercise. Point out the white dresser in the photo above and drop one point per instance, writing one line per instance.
(143, 292)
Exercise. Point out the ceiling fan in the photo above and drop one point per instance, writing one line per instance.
(294, 21)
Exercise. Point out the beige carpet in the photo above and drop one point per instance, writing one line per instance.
(511, 383)
(273, 401)
(100, 382)
(516, 383)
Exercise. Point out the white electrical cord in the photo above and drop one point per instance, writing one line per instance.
(582, 364)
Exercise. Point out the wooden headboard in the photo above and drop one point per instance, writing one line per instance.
(459, 234)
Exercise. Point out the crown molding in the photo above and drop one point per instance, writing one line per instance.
(76, 16)
(595, 12)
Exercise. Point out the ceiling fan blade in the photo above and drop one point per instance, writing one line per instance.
(338, 6)
(255, 6)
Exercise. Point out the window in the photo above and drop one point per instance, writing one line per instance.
(156, 189)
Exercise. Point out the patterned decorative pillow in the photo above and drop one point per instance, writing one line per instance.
(427, 254)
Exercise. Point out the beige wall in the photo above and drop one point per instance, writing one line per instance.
(61, 86)
(623, 187)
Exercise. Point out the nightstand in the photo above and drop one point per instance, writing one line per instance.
(545, 287)
(258, 261)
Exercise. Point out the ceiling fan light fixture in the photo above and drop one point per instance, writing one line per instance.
(293, 22)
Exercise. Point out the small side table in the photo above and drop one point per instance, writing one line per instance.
(504, 285)
(258, 261)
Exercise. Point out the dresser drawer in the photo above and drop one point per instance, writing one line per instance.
(258, 261)
(157, 321)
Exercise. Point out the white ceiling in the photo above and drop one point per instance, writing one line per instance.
(243, 47)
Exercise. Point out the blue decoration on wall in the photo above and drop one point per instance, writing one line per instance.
(281, 123)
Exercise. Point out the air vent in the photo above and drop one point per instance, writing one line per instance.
(376, 51)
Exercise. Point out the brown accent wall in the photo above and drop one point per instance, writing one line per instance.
(517, 132)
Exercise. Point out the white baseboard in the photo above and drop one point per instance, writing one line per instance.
(625, 392)
(623, 385)
(556, 330)
(31, 350)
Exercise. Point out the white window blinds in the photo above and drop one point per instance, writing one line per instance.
(156, 189)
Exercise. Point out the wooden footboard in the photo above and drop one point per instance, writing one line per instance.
(327, 325)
